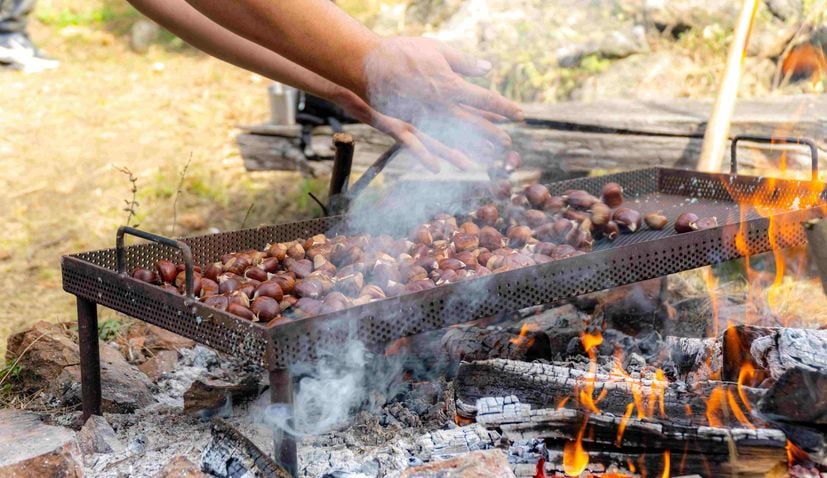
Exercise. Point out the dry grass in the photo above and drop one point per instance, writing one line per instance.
(66, 131)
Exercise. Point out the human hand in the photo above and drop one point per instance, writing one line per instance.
(419, 81)
(425, 148)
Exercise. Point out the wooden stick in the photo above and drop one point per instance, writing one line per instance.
(717, 130)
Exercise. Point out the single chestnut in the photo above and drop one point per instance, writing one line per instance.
(351, 285)
(465, 242)
(488, 214)
(213, 270)
(265, 308)
(544, 248)
(554, 204)
(537, 195)
(241, 311)
(518, 236)
(655, 220)
(580, 199)
(491, 238)
(308, 307)
(278, 250)
(296, 251)
(181, 282)
(166, 270)
(238, 264)
(451, 263)
(535, 218)
(685, 222)
(469, 227)
(145, 275)
(285, 281)
(287, 302)
(270, 288)
(255, 272)
(220, 302)
(372, 291)
(468, 258)
(227, 284)
(612, 194)
(208, 287)
(628, 219)
(601, 214)
(311, 288)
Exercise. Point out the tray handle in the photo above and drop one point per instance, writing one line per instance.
(165, 241)
(773, 140)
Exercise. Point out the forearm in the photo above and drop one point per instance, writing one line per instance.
(199, 31)
(313, 33)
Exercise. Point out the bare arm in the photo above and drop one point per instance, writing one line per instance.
(199, 31)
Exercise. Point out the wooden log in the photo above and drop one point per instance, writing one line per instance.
(548, 385)
(799, 396)
(693, 449)
(772, 350)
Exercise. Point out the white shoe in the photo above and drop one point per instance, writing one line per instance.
(18, 52)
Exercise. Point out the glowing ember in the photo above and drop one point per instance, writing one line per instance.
(540, 470)
(796, 455)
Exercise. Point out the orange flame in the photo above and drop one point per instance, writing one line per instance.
(666, 460)
(805, 60)
(720, 404)
(575, 458)
(622, 427)
(540, 469)
(795, 455)
(523, 337)
(747, 373)
(585, 395)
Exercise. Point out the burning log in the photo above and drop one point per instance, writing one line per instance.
(772, 351)
(799, 395)
(708, 451)
(550, 385)
(230, 454)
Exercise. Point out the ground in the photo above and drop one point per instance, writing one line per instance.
(168, 116)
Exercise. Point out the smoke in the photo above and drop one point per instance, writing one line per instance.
(341, 382)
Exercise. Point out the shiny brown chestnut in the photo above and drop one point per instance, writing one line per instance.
(270, 288)
(241, 311)
(686, 222)
(601, 214)
(488, 214)
(628, 219)
(580, 199)
(612, 195)
(518, 236)
(220, 302)
(537, 195)
(655, 220)
(166, 270)
(145, 275)
(265, 308)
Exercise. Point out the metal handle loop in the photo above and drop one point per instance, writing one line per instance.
(165, 241)
(774, 140)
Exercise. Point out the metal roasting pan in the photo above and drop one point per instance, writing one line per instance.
(99, 277)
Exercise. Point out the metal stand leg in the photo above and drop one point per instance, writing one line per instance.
(281, 392)
(90, 371)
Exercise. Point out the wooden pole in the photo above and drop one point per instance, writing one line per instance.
(717, 129)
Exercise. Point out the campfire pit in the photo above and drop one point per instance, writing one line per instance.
(100, 277)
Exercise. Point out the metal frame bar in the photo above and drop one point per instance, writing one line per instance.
(90, 372)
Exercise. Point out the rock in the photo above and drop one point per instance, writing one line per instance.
(31, 449)
(785, 9)
(143, 33)
(469, 465)
(124, 388)
(97, 436)
(48, 350)
(51, 364)
(156, 338)
(212, 397)
(181, 467)
(771, 41)
(163, 362)
(677, 14)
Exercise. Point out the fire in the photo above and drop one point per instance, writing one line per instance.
(712, 288)
(622, 427)
(806, 60)
(666, 460)
(585, 395)
(575, 458)
(523, 337)
(720, 404)
(795, 455)
(540, 469)
(747, 373)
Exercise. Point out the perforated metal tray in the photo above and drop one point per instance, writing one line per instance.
(631, 258)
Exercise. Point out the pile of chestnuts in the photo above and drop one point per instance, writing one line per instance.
(321, 274)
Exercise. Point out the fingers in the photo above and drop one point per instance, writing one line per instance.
(462, 63)
(486, 129)
(486, 100)
(453, 156)
(492, 117)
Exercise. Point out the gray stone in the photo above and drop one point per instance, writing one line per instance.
(31, 449)
(97, 436)
(51, 364)
(163, 362)
(691, 13)
(786, 9)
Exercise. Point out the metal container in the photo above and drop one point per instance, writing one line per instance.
(282, 104)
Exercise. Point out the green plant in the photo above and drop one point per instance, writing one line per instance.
(109, 329)
(9, 373)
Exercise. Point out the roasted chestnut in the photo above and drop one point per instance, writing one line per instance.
(580, 199)
(537, 195)
(685, 222)
(488, 214)
(265, 308)
(145, 275)
(612, 195)
(628, 219)
(241, 311)
(166, 270)
(655, 220)
(601, 214)
(518, 236)
(270, 288)
(491, 238)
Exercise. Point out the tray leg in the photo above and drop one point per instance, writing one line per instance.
(90, 372)
(284, 444)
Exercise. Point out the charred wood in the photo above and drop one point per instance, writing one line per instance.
(772, 351)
